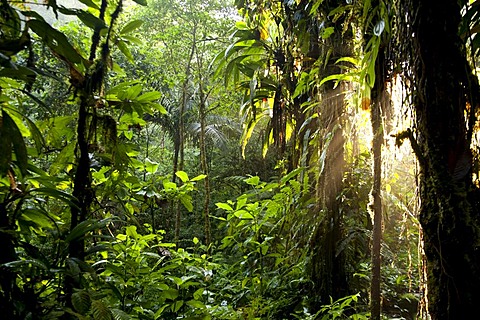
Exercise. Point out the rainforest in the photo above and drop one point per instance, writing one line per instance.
(213, 159)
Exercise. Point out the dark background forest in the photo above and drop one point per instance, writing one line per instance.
(202, 159)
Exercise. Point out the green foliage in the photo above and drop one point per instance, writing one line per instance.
(266, 264)
(143, 68)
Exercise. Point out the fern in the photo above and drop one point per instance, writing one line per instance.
(120, 315)
(100, 311)
(81, 301)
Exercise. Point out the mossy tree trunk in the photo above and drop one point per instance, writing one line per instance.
(379, 99)
(449, 210)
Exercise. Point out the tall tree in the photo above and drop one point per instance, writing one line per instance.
(445, 103)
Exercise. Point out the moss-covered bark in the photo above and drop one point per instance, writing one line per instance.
(448, 212)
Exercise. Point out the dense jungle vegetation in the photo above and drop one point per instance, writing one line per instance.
(201, 159)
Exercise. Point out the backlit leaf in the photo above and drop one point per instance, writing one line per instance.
(151, 166)
(243, 214)
(132, 25)
(224, 206)
(182, 175)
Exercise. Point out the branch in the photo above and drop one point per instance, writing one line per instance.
(408, 134)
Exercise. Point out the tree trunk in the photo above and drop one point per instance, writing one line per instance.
(82, 191)
(181, 133)
(449, 209)
(376, 205)
(204, 165)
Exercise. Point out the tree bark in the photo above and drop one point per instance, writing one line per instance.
(376, 204)
(204, 165)
(179, 154)
(449, 209)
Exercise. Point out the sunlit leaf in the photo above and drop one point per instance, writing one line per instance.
(224, 206)
(149, 96)
(151, 166)
(168, 185)
(132, 25)
(328, 32)
(131, 231)
(182, 175)
(253, 181)
(199, 177)
(122, 46)
(84, 227)
(186, 200)
(243, 214)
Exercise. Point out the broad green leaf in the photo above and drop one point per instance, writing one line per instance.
(253, 181)
(186, 200)
(63, 159)
(196, 304)
(292, 174)
(170, 294)
(56, 40)
(224, 206)
(151, 166)
(197, 295)
(128, 134)
(38, 217)
(199, 177)
(177, 305)
(9, 127)
(160, 311)
(101, 311)
(149, 96)
(85, 227)
(32, 14)
(122, 46)
(36, 135)
(18, 72)
(132, 25)
(86, 17)
(131, 231)
(120, 315)
(159, 108)
(57, 194)
(182, 175)
(133, 92)
(132, 39)
(243, 214)
(168, 185)
(328, 32)
(31, 262)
